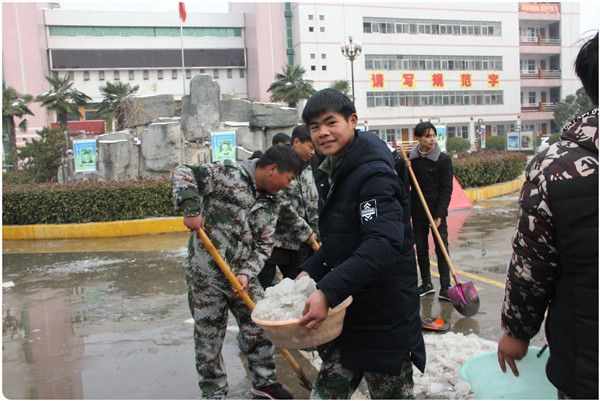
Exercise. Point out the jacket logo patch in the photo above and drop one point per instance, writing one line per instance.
(368, 210)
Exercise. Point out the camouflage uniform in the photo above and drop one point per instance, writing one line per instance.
(337, 383)
(240, 221)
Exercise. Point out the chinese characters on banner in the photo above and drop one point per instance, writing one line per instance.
(438, 80)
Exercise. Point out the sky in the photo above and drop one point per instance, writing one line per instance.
(588, 11)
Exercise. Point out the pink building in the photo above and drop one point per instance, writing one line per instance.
(24, 59)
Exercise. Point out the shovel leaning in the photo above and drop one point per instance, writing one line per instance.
(463, 295)
(238, 287)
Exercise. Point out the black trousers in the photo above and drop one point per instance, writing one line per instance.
(288, 262)
(421, 229)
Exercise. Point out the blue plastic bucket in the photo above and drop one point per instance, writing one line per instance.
(488, 382)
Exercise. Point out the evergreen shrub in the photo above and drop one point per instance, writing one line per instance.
(554, 138)
(86, 201)
(457, 144)
(488, 168)
(496, 143)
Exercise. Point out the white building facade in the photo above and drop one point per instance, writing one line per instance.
(461, 65)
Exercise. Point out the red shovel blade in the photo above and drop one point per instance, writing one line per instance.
(464, 298)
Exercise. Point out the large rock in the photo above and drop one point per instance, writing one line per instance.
(235, 110)
(272, 115)
(117, 156)
(200, 112)
(161, 147)
(142, 110)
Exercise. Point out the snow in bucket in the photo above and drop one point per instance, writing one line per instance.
(488, 382)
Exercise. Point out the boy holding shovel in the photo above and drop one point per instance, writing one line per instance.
(239, 203)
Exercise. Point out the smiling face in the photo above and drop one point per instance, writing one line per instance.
(427, 141)
(332, 133)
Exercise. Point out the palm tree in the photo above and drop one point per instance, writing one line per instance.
(14, 105)
(291, 87)
(113, 104)
(341, 86)
(62, 98)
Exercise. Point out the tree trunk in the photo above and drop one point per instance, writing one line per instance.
(12, 142)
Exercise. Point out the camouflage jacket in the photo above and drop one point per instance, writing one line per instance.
(535, 263)
(298, 217)
(238, 219)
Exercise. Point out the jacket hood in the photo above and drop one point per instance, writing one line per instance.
(248, 168)
(366, 147)
(583, 130)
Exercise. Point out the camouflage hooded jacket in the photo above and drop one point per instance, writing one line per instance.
(535, 264)
(298, 217)
(238, 219)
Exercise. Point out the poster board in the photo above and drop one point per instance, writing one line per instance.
(512, 141)
(441, 137)
(526, 140)
(84, 152)
(223, 145)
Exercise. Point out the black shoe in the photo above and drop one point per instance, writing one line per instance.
(426, 288)
(444, 295)
(274, 391)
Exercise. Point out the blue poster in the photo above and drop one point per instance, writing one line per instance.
(441, 137)
(223, 145)
(84, 151)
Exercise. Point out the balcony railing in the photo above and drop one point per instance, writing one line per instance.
(540, 74)
(539, 107)
(539, 41)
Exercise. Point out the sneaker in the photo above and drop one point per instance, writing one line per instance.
(426, 288)
(444, 295)
(274, 391)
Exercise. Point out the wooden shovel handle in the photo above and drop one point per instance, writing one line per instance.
(238, 287)
(430, 217)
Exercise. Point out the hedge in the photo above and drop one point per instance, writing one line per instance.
(97, 201)
(488, 168)
(87, 201)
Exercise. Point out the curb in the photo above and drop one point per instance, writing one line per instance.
(166, 225)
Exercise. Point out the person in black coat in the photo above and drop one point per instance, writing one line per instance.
(433, 170)
(367, 252)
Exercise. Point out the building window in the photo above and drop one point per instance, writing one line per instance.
(531, 97)
(311, 29)
(131, 75)
(310, 17)
(188, 74)
(390, 135)
(322, 29)
(324, 67)
(242, 73)
(313, 68)
(146, 75)
(215, 73)
(101, 75)
(465, 131)
(323, 56)
(173, 74)
(313, 56)
(117, 75)
(159, 74)
(229, 74)
(201, 71)
(322, 17)
(86, 75)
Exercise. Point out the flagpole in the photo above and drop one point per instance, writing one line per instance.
(182, 58)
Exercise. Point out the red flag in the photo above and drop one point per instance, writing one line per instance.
(182, 13)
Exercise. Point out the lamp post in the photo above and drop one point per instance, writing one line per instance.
(351, 51)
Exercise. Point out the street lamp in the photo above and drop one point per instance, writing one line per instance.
(351, 51)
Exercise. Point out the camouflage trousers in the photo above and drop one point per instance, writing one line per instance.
(336, 382)
(210, 298)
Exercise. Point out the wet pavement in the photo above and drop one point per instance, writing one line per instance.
(108, 318)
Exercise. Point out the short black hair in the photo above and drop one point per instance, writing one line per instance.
(423, 127)
(327, 100)
(280, 137)
(302, 132)
(586, 68)
(284, 157)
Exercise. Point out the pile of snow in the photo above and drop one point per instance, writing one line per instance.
(445, 354)
(285, 301)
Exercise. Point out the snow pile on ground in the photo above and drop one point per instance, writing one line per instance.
(285, 301)
(445, 354)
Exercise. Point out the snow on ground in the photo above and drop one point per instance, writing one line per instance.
(445, 353)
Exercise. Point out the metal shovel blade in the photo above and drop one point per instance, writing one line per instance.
(464, 298)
